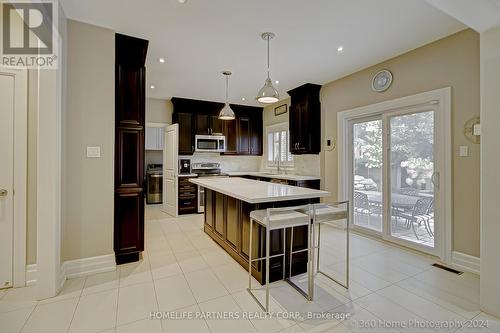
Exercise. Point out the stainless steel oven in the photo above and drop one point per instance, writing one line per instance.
(210, 143)
(204, 170)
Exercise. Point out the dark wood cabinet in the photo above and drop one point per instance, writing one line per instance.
(219, 214)
(243, 134)
(186, 137)
(208, 124)
(256, 134)
(230, 131)
(129, 239)
(202, 124)
(130, 94)
(305, 119)
(130, 85)
(216, 125)
(232, 224)
(188, 196)
(209, 209)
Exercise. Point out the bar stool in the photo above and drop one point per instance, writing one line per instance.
(324, 213)
(274, 219)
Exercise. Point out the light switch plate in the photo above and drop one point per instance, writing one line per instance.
(464, 151)
(477, 129)
(93, 152)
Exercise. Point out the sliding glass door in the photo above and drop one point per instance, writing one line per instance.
(411, 176)
(367, 166)
(392, 179)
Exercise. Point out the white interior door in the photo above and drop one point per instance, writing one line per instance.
(7, 105)
(170, 169)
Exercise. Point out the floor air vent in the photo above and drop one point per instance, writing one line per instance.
(447, 269)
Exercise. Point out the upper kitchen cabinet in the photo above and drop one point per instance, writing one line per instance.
(186, 133)
(248, 125)
(154, 138)
(207, 124)
(256, 133)
(305, 119)
(230, 131)
(243, 135)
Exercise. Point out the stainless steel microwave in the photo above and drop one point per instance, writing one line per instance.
(210, 143)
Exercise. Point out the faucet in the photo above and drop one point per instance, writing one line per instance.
(278, 163)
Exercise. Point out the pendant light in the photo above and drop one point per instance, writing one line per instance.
(226, 113)
(268, 94)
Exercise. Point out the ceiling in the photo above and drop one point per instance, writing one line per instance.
(201, 38)
(479, 15)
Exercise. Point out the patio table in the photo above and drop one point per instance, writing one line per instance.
(402, 201)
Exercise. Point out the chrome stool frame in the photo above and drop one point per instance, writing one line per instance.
(318, 222)
(268, 225)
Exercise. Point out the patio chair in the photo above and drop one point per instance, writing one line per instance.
(361, 203)
(430, 216)
(418, 215)
(363, 206)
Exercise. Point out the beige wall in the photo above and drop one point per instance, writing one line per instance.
(87, 228)
(159, 111)
(308, 165)
(452, 61)
(490, 177)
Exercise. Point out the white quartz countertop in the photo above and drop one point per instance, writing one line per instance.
(270, 175)
(254, 191)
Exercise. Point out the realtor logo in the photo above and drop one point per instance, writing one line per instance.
(28, 33)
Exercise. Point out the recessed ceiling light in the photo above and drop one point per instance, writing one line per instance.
(162, 60)
(152, 86)
(181, 1)
(277, 81)
(340, 48)
(243, 99)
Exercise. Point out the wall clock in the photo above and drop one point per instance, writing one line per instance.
(382, 81)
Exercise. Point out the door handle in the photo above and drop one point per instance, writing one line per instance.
(435, 180)
(3, 193)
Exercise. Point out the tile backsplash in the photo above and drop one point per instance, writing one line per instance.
(228, 163)
(305, 165)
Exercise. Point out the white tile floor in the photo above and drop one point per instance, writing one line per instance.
(184, 271)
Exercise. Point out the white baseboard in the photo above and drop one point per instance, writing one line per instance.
(31, 274)
(86, 266)
(466, 262)
(76, 268)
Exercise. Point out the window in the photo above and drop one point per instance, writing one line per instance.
(278, 148)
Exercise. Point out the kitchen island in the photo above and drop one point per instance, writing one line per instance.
(228, 203)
